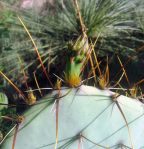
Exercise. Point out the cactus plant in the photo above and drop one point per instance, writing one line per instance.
(77, 116)
(80, 117)
(85, 113)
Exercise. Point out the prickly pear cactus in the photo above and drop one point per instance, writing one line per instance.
(82, 117)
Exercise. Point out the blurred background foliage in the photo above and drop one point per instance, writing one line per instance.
(118, 25)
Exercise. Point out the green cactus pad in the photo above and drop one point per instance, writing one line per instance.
(85, 112)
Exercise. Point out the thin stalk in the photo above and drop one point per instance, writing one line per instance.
(37, 52)
(93, 70)
(119, 80)
(14, 86)
(121, 111)
(95, 143)
(57, 111)
(83, 28)
(25, 77)
(39, 89)
(123, 70)
(15, 134)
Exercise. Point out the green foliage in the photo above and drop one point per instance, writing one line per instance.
(6, 41)
(6, 125)
(140, 15)
(53, 30)
(3, 101)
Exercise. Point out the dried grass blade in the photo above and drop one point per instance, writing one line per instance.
(123, 70)
(37, 84)
(14, 86)
(36, 49)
